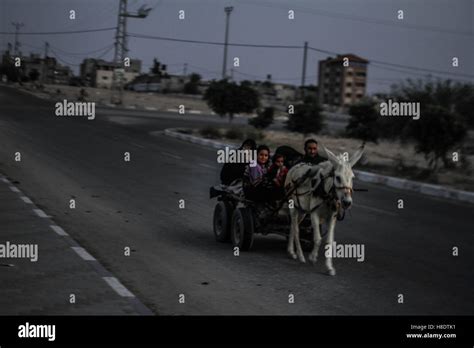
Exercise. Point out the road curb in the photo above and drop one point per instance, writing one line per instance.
(174, 132)
(102, 104)
(404, 184)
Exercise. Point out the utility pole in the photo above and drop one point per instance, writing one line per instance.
(45, 63)
(303, 76)
(121, 48)
(227, 10)
(17, 26)
(46, 49)
(185, 69)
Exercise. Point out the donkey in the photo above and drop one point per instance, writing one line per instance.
(323, 191)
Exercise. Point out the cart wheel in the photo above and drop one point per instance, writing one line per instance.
(222, 219)
(242, 229)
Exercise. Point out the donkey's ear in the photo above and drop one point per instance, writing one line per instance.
(357, 155)
(331, 157)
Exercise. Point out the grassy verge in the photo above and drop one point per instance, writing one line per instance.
(387, 157)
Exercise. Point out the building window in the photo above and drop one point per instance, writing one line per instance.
(349, 73)
(360, 84)
(360, 73)
(105, 78)
(349, 84)
(348, 95)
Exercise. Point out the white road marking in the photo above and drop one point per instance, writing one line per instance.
(58, 230)
(14, 189)
(118, 287)
(206, 165)
(171, 155)
(138, 145)
(172, 110)
(5, 180)
(40, 213)
(150, 108)
(195, 112)
(375, 209)
(83, 253)
(26, 200)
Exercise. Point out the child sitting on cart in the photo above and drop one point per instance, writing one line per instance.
(264, 184)
(277, 171)
(256, 183)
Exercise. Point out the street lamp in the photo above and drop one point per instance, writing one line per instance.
(227, 10)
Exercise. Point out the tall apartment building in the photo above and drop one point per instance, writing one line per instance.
(339, 84)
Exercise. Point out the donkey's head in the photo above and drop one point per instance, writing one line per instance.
(343, 175)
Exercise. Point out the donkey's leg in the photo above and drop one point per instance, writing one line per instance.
(291, 238)
(315, 223)
(299, 250)
(330, 239)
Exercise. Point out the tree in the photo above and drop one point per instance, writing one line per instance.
(307, 117)
(158, 68)
(228, 98)
(436, 132)
(263, 119)
(440, 127)
(364, 121)
(10, 71)
(191, 87)
(34, 75)
(464, 102)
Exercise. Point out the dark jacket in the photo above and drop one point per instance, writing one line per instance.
(313, 160)
(231, 172)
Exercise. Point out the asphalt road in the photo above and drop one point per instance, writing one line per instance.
(135, 204)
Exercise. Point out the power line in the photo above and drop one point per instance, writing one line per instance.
(59, 32)
(62, 60)
(407, 72)
(73, 64)
(325, 13)
(215, 43)
(375, 63)
(295, 47)
(82, 54)
(398, 65)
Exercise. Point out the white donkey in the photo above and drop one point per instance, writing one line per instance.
(335, 193)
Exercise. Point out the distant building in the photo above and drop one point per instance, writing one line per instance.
(47, 70)
(342, 85)
(100, 73)
(156, 83)
(285, 92)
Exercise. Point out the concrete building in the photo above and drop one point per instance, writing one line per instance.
(100, 73)
(285, 92)
(342, 80)
(46, 70)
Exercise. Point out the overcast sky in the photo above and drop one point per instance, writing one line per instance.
(431, 33)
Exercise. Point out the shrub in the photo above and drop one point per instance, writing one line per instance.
(210, 132)
(263, 119)
(254, 134)
(234, 133)
(364, 121)
(307, 117)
